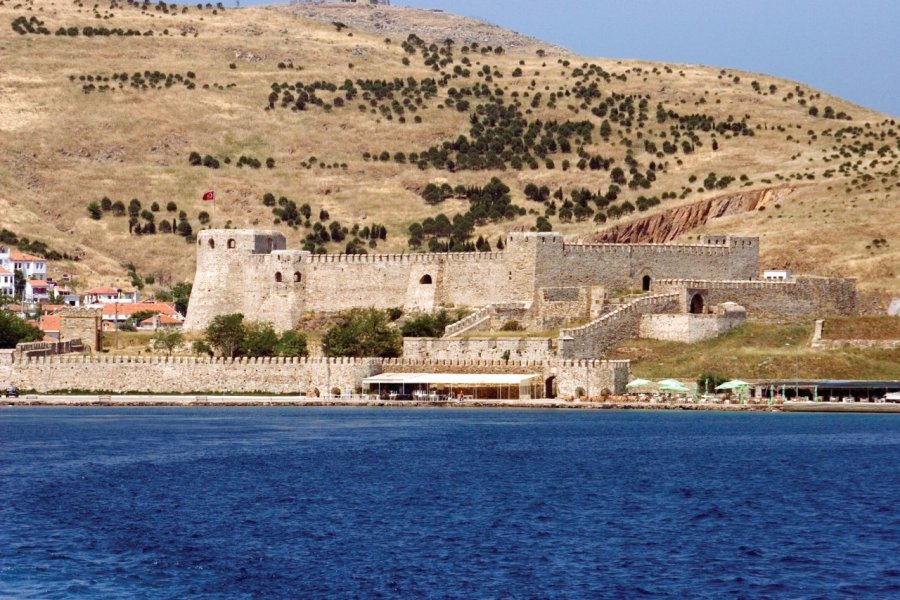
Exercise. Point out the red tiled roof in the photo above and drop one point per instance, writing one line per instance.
(101, 290)
(5, 272)
(50, 323)
(163, 308)
(25, 257)
(163, 320)
(38, 283)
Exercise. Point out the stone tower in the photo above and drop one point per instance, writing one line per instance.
(232, 269)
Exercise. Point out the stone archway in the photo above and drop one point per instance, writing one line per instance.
(645, 283)
(550, 387)
(697, 304)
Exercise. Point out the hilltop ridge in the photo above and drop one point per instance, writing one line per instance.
(300, 117)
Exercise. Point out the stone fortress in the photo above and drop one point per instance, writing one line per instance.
(582, 300)
(596, 295)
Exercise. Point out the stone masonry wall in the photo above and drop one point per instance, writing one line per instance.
(623, 266)
(799, 298)
(597, 337)
(591, 376)
(477, 348)
(162, 375)
(687, 328)
(186, 375)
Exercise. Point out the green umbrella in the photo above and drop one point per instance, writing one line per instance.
(733, 385)
(638, 383)
(675, 387)
(670, 382)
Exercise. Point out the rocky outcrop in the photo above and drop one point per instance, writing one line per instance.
(430, 25)
(670, 224)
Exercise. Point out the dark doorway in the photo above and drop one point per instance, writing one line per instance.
(550, 387)
(426, 280)
(697, 304)
(645, 283)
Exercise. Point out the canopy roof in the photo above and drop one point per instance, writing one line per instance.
(460, 379)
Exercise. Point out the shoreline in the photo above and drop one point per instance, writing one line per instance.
(99, 400)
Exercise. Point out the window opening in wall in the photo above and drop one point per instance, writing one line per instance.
(270, 245)
(231, 243)
(645, 283)
(278, 276)
(297, 277)
(697, 304)
(426, 280)
(212, 243)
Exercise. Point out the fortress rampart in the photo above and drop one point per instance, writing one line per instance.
(252, 272)
(183, 375)
(599, 336)
(801, 297)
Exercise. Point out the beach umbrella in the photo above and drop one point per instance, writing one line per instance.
(732, 385)
(675, 387)
(670, 382)
(638, 383)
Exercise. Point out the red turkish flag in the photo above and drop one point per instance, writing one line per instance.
(210, 195)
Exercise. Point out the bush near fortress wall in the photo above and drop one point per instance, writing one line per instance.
(232, 337)
(14, 330)
(361, 333)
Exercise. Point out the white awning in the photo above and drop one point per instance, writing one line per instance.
(460, 379)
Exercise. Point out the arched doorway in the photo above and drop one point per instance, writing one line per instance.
(278, 277)
(645, 283)
(426, 280)
(697, 304)
(550, 387)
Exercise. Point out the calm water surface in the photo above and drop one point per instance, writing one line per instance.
(306, 503)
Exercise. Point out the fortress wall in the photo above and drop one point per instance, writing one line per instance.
(340, 282)
(591, 376)
(487, 280)
(598, 337)
(623, 266)
(163, 375)
(160, 375)
(558, 306)
(477, 348)
(688, 328)
(799, 298)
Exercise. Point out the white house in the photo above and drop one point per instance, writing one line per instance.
(108, 295)
(37, 290)
(32, 267)
(777, 275)
(7, 283)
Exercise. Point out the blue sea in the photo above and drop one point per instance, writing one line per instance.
(446, 503)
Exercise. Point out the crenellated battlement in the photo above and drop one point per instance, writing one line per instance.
(403, 258)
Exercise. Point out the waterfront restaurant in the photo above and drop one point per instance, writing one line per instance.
(825, 390)
(435, 387)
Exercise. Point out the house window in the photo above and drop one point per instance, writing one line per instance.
(297, 277)
(278, 277)
(426, 280)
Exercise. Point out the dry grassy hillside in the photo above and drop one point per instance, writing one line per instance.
(89, 110)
